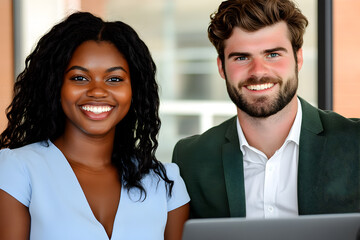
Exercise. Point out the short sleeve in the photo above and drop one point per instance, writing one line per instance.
(14, 178)
(179, 194)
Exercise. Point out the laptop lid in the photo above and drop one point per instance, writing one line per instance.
(310, 227)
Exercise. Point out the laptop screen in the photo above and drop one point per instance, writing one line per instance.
(310, 227)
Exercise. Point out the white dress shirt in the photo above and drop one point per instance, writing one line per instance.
(271, 184)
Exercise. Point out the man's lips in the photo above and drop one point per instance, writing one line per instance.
(259, 87)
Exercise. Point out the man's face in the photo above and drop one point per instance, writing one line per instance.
(260, 69)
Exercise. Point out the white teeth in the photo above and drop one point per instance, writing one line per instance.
(260, 86)
(96, 109)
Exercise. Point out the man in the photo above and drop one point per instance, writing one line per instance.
(280, 156)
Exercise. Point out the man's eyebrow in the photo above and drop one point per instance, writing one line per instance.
(277, 49)
(238, 54)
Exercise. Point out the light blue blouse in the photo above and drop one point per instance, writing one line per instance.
(41, 178)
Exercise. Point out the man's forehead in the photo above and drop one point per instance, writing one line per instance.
(276, 35)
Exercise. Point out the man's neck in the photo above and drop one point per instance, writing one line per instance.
(268, 134)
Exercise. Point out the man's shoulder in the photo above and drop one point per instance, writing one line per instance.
(214, 135)
(327, 115)
(334, 119)
(204, 150)
(330, 120)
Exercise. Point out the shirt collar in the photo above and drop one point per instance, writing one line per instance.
(294, 134)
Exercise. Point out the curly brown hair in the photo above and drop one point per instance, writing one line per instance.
(253, 15)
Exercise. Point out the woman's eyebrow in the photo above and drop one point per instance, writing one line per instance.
(77, 67)
(86, 70)
(116, 68)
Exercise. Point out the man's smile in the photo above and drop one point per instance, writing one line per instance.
(259, 87)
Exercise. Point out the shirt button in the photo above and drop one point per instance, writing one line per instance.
(270, 209)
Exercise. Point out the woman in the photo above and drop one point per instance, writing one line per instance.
(78, 158)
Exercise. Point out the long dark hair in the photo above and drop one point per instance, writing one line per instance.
(35, 113)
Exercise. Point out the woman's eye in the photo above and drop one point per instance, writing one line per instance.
(114, 79)
(79, 78)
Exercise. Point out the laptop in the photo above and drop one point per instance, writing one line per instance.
(309, 227)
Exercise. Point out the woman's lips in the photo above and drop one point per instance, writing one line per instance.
(97, 109)
(96, 112)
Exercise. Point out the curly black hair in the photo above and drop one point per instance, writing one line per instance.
(35, 113)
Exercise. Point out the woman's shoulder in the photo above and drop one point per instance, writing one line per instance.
(26, 153)
(155, 175)
(179, 195)
(172, 170)
(17, 168)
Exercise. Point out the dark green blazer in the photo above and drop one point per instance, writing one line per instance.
(211, 165)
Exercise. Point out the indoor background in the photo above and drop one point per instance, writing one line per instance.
(193, 95)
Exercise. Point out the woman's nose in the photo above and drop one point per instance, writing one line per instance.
(97, 90)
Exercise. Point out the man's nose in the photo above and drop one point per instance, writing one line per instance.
(258, 68)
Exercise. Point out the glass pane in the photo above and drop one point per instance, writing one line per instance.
(193, 95)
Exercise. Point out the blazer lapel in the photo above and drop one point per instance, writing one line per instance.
(310, 159)
(234, 173)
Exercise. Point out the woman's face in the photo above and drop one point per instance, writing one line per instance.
(96, 92)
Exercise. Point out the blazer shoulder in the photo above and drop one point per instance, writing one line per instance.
(335, 121)
(206, 145)
(317, 120)
(214, 135)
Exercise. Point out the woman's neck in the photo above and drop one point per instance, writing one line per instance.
(91, 152)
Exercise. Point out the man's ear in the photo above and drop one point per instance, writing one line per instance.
(300, 60)
(220, 67)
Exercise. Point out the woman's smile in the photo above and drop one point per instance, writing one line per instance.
(96, 112)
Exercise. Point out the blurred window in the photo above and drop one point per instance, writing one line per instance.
(193, 95)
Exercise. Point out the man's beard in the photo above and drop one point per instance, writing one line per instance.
(263, 107)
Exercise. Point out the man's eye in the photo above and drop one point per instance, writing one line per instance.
(241, 58)
(271, 55)
(79, 78)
